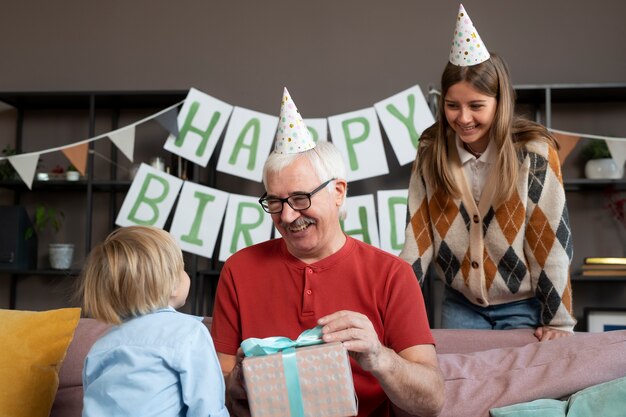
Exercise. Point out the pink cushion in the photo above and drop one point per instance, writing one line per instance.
(482, 369)
(466, 341)
(478, 380)
(69, 398)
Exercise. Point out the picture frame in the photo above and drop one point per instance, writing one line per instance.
(603, 319)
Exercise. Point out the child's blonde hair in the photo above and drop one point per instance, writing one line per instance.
(133, 272)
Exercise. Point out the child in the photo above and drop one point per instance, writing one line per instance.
(154, 361)
(487, 203)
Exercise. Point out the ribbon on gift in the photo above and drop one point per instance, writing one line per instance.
(271, 345)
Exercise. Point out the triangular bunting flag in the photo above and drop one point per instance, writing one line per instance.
(169, 121)
(618, 152)
(124, 139)
(78, 156)
(566, 144)
(25, 165)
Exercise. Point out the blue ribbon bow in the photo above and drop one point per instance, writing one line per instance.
(271, 345)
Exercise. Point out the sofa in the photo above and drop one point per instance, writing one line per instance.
(482, 368)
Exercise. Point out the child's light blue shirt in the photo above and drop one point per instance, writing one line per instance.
(160, 364)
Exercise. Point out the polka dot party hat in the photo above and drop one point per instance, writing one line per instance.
(292, 136)
(467, 47)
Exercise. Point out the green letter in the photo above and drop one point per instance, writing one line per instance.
(192, 237)
(204, 134)
(391, 203)
(314, 134)
(354, 165)
(364, 231)
(151, 202)
(409, 122)
(244, 229)
(254, 124)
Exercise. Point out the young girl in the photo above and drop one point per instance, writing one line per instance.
(154, 361)
(487, 203)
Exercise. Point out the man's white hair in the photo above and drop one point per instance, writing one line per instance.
(325, 158)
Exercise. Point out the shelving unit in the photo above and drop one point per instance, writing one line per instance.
(544, 96)
(593, 100)
(582, 184)
(542, 101)
(112, 104)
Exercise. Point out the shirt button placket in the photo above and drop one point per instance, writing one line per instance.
(309, 272)
(307, 302)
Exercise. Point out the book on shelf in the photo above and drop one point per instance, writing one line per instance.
(604, 272)
(605, 261)
(597, 267)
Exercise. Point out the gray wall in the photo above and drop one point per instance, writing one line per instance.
(334, 56)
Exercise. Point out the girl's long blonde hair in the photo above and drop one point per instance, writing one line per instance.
(508, 131)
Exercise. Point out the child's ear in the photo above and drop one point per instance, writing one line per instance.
(174, 294)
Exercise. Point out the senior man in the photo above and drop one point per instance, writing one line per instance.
(316, 275)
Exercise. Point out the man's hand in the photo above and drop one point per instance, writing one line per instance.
(411, 378)
(548, 333)
(357, 334)
(236, 396)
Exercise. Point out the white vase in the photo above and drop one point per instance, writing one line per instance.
(61, 255)
(603, 169)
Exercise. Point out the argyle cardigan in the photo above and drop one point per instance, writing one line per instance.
(494, 255)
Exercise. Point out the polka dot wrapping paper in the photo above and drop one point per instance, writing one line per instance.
(325, 379)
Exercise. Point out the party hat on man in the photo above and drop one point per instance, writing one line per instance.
(467, 47)
(292, 135)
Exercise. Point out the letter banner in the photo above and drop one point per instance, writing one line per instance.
(198, 218)
(150, 198)
(201, 122)
(392, 219)
(245, 224)
(357, 136)
(360, 221)
(404, 117)
(248, 141)
(318, 129)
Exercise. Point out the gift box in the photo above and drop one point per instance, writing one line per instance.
(322, 387)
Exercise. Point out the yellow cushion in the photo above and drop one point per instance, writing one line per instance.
(33, 347)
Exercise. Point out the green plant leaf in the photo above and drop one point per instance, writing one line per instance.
(595, 149)
(44, 217)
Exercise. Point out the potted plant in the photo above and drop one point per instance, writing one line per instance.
(60, 254)
(71, 173)
(600, 164)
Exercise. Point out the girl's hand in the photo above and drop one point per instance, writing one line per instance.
(549, 333)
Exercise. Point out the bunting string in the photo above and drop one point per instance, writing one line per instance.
(585, 135)
(99, 155)
(246, 139)
(104, 135)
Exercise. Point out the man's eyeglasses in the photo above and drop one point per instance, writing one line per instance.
(298, 201)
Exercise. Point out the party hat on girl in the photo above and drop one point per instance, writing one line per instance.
(467, 47)
(292, 135)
